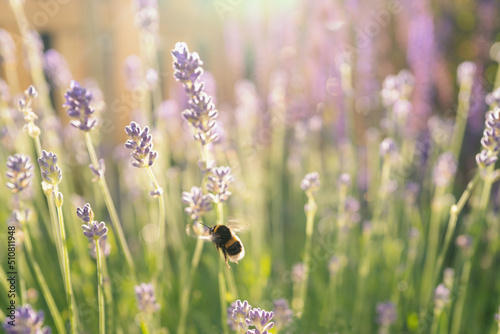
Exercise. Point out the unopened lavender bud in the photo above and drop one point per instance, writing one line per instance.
(31, 92)
(58, 199)
(282, 313)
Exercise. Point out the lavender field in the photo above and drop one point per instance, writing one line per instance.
(256, 167)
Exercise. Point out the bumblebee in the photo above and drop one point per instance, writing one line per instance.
(224, 239)
(228, 242)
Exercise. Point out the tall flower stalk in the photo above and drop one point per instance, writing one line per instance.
(201, 115)
(52, 175)
(310, 184)
(78, 103)
(141, 143)
(19, 175)
(95, 231)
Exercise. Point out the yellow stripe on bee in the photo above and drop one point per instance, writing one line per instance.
(230, 242)
(216, 227)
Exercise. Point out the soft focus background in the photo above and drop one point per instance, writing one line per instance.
(300, 87)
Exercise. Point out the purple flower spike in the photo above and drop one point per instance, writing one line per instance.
(239, 313)
(78, 101)
(85, 213)
(51, 173)
(94, 230)
(187, 66)
(198, 203)
(387, 314)
(27, 321)
(141, 144)
(218, 183)
(19, 172)
(260, 319)
(146, 300)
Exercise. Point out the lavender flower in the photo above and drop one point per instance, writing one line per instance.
(441, 296)
(51, 173)
(141, 144)
(78, 101)
(218, 183)
(397, 88)
(94, 230)
(27, 320)
(104, 247)
(56, 68)
(387, 314)
(445, 169)
(201, 114)
(187, 68)
(198, 203)
(85, 213)
(282, 313)
(146, 301)
(260, 319)
(310, 183)
(497, 316)
(237, 315)
(491, 139)
(19, 172)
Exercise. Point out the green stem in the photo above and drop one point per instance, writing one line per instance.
(454, 212)
(161, 255)
(462, 291)
(435, 323)
(310, 213)
(222, 296)
(100, 290)
(144, 326)
(67, 274)
(186, 291)
(432, 246)
(49, 299)
(111, 207)
(461, 118)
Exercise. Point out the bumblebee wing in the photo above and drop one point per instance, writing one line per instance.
(199, 231)
(238, 225)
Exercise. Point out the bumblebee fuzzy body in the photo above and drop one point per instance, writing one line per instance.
(228, 242)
